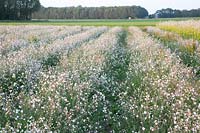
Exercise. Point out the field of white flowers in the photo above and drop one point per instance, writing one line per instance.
(95, 79)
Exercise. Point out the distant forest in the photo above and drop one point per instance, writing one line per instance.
(120, 12)
(32, 9)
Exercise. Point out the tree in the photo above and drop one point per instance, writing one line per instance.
(18, 9)
(170, 13)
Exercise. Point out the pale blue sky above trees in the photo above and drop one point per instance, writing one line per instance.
(150, 5)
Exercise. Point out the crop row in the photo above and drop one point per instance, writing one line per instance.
(34, 38)
(19, 71)
(162, 96)
(61, 102)
(187, 49)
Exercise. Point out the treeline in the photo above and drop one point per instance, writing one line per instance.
(18, 9)
(171, 13)
(121, 12)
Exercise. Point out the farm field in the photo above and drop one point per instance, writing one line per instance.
(95, 22)
(124, 23)
(100, 79)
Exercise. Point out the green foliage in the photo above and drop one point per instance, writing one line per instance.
(13, 82)
(51, 61)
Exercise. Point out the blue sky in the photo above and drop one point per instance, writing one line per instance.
(150, 5)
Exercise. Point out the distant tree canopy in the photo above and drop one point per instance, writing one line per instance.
(121, 12)
(170, 13)
(18, 9)
(28, 9)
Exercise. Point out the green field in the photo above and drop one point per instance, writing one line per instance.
(94, 22)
